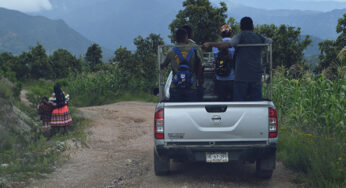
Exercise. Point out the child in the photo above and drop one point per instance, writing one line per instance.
(45, 112)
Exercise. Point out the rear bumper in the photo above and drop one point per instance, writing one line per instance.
(198, 153)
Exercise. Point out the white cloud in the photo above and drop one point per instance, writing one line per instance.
(26, 5)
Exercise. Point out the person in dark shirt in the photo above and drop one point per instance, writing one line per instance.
(248, 71)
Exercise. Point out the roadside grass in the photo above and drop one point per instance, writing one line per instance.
(312, 135)
(21, 160)
(40, 156)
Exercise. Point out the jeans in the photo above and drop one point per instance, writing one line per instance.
(224, 90)
(247, 91)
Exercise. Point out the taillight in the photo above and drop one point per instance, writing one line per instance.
(273, 123)
(159, 124)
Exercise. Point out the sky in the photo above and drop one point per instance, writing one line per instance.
(40, 5)
(26, 5)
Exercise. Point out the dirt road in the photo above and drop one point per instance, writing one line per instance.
(120, 154)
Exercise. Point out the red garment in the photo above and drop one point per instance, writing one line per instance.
(61, 117)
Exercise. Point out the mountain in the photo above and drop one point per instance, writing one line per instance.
(313, 48)
(319, 24)
(18, 31)
(115, 23)
(317, 5)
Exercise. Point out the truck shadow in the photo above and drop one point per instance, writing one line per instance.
(235, 172)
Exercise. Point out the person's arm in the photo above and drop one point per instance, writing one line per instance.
(216, 45)
(165, 62)
(232, 43)
(199, 66)
(268, 40)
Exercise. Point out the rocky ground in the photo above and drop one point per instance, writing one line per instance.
(120, 154)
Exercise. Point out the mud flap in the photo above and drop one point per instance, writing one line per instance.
(268, 162)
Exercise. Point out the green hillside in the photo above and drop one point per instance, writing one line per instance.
(18, 31)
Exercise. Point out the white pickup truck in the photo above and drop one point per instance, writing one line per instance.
(215, 132)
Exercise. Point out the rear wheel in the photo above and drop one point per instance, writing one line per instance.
(161, 166)
(266, 166)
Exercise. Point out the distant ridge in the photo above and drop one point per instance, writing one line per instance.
(116, 23)
(18, 31)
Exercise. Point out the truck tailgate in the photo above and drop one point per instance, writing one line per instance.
(216, 121)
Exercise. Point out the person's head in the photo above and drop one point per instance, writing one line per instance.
(181, 36)
(226, 31)
(246, 24)
(44, 100)
(57, 89)
(188, 29)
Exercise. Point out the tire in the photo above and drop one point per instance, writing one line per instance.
(161, 166)
(266, 166)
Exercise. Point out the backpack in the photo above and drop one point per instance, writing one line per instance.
(224, 62)
(183, 78)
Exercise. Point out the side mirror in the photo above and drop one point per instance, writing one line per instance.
(156, 91)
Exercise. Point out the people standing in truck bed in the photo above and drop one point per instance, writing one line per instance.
(185, 62)
(224, 61)
(248, 71)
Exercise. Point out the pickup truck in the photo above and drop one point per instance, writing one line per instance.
(212, 131)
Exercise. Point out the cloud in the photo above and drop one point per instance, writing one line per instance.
(26, 5)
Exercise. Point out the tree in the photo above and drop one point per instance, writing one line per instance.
(139, 69)
(94, 57)
(330, 50)
(202, 17)
(39, 64)
(22, 66)
(287, 46)
(234, 25)
(7, 66)
(146, 53)
(64, 63)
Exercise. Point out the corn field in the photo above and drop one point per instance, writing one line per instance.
(312, 135)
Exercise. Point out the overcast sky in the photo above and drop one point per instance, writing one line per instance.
(38, 5)
(26, 5)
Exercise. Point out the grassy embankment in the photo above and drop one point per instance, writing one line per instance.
(20, 158)
(312, 135)
(39, 156)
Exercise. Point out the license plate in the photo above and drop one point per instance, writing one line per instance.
(217, 157)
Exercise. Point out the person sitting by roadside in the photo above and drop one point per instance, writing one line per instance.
(248, 67)
(185, 61)
(224, 83)
(61, 116)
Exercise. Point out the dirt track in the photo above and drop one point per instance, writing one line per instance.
(120, 154)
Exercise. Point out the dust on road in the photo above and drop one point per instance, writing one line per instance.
(120, 154)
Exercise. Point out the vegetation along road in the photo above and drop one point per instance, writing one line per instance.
(119, 153)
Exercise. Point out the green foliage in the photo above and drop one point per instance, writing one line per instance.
(312, 128)
(6, 66)
(330, 50)
(287, 48)
(64, 63)
(139, 69)
(94, 57)
(203, 18)
(39, 63)
(234, 25)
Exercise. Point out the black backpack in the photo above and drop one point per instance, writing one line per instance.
(224, 63)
